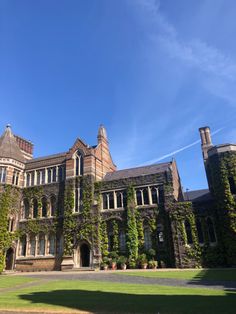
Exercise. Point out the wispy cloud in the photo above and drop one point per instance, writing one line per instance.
(219, 67)
(152, 161)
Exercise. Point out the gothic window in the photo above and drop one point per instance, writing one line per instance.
(38, 177)
(78, 164)
(28, 179)
(52, 244)
(35, 208)
(154, 192)
(119, 199)
(105, 201)
(199, 231)
(232, 185)
(49, 175)
(44, 207)
(54, 174)
(43, 176)
(188, 232)
(15, 177)
(61, 173)
(53, 204)
(211, 230)
(32, 245)
(111, 200)
(122, 241)
(41, 250)
(23, 246)
(139, 197)
(26, 208)
(78, 198)
(3, 173)
(145, 196)
(147, 239)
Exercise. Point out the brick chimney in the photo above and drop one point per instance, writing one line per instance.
(205, 135)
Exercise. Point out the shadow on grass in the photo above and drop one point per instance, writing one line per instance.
(216, 277)
(97, 301)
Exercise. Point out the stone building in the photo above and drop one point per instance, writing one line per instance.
(75, 209)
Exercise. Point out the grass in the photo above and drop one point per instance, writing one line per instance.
(196, 275)
(12, 281)
(118, 298)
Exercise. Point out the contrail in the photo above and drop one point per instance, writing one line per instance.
(178, 150)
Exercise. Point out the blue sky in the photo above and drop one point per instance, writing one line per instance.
(152, 72)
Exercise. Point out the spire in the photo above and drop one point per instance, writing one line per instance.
(9, 147)
(102, 133)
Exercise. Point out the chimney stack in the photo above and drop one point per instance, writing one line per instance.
(205, 135)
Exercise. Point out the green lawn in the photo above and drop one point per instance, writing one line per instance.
(11, 281)
(198, 275)
(119, 298)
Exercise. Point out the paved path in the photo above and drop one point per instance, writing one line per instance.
(121, 277)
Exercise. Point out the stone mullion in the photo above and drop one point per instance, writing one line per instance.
(149, 195)
(115, 199)
(36, 245)
(46, 249)
(27, 245)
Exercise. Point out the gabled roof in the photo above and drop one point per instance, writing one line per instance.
(9, 147)
(137, 172)
(45, 161)
(198, 196)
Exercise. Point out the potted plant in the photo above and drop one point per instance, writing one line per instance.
(113, 260)
(105, 263)
(132, 264)
(143, 261)
(122, 260)
(152, 264)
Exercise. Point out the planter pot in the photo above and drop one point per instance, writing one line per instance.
(144, 266)
(123, 266)
(104, 267)
(67, 263)
(113, 265)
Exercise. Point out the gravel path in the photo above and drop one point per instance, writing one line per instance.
(122, 278)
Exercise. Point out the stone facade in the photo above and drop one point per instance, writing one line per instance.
(72, 208)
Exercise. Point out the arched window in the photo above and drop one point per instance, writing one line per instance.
(32, 245)
(35, 208)
(26, 208)
(139, 197)
(154, 192)
(188, 232)
(105, 201)
(53, 204)
(44, 206)
(199, 231)
(41, 250)
(147, 239)
(145, 196)
(52, 244)
(122, 241)
(79, 164)
(211, 230)
(23, 245)
(119, 199)
(111, 200)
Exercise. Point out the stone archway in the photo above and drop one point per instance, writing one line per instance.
(84, 255)
(9, 259)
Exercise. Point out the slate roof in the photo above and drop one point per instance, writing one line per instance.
(9, 147)
(198, 196)
(45, 161)
(137, 172)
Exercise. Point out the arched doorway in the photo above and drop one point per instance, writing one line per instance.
(9, 259)
(84, 255)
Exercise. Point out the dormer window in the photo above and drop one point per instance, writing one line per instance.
(78, 163)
